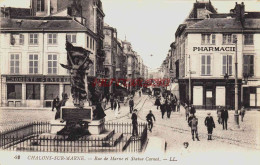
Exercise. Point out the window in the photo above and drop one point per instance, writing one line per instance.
(248, 65)
(208, 38)
(33, 91)
(33, 39)
(87, 42)
(90, 43)
(33, 63)
(229, 38)
(227, 64)
(52, 38)
(51, 91)
(14, 64)
(40, 5)
(17, 39)
(52, 64)
(72, 38)
(205, 65)
(248, 39)
(14, 91)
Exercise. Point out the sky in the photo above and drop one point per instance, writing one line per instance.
(150, 25)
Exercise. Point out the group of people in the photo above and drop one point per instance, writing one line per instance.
(167, 104)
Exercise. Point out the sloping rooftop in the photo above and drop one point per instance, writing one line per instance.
(36, 24)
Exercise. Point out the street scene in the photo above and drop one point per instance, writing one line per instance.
(83, 76)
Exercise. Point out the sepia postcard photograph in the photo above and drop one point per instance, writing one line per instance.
(130, 82)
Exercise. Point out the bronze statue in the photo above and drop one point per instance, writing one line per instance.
(78, 63)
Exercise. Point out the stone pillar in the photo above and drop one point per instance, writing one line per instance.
(42, 94)
(23, 94)
(4, 92)
(61, 86)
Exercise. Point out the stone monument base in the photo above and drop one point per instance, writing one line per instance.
(96, 127)
(56, 126)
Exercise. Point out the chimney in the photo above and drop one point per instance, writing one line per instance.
(240, 12)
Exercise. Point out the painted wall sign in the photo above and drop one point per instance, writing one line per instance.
(36, 79)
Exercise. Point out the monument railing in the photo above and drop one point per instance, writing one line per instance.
(29, 137)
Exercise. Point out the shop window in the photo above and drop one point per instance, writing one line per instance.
(227, 64)
(14, 91)
(14, 63)
(51, 91)
(33, 63)
(33, 91)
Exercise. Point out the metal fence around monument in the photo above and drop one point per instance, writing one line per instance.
(34, 137)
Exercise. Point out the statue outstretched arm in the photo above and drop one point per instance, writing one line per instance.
(71, 61)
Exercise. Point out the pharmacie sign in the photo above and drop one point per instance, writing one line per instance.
(214, 49)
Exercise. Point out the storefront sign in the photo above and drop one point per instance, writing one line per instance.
(216, 49)
(36, 79)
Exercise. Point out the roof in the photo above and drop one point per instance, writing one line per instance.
(225, 24)
(217, 24)
(14, 12)
(39, 25)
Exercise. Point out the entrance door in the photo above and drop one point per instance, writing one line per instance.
(209, 99)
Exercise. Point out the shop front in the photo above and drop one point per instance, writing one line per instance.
(33, 90)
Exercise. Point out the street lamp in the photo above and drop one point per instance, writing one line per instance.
(236, 116)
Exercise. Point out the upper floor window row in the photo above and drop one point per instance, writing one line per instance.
(248, 39)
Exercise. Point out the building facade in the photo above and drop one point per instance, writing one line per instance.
(206, 49)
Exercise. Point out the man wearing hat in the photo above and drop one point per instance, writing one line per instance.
(134, 123)
(209, 123)
(193, 123)
(149, 118)
(131, 104)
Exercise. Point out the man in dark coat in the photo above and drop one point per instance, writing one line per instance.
(224, 116)
(134, 123)
(149, 118)
(193, 123)
(192, 110)
(163, 109)
(157, 101)
(112, 101)
(209, 123)
(131, 104)
(168, 108)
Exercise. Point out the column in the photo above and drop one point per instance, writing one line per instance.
(23, 94)
(4, 92)
(42, 94)
(61, 86)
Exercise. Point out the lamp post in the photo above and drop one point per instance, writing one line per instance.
(236, 115)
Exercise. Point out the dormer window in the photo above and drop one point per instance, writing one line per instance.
(40, 5)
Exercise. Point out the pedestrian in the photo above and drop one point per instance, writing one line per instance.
(131, 104)
(149, 118)
(173, 104)
(116, 107)
(178, 105)
(112, 101)
(157, 102)
(193, 123)
(192, 109)
(219, 111)
(187, 111)
(140, 93)
(242, 113)
(224, 116)
(210, 124)
(134, 123)
(163, 109)
(168, 108)
(55, 102)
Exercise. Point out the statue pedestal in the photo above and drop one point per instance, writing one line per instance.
(96, 127)
(57, 126)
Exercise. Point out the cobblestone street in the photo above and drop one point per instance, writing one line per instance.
(175, 130)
